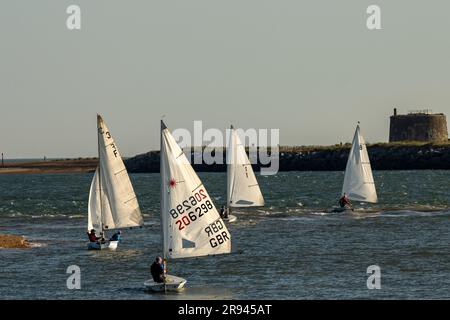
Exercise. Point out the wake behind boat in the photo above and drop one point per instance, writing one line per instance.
(112, 201)
(230, 218)
(191, 225)
(337, 209)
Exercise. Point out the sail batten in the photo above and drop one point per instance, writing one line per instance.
(119, 172)
(130, 199)
(358, 181)
(242, 187)
(112, 201)
(198, 187)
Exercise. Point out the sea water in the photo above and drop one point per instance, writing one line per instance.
(293, 248)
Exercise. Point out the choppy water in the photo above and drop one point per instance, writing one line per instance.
(291, 249)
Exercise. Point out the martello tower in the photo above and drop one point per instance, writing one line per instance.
(421, 125)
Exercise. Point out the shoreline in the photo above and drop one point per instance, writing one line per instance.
(383, 156)
(50, 166)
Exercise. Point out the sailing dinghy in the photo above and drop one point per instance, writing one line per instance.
(242, 187)
(191, 225)
(358, 181)
(112, 201)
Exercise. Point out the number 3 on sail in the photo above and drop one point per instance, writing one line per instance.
(112, 201)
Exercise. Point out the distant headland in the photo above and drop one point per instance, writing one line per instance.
(383, 156)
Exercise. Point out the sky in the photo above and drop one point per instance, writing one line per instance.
(311, 69)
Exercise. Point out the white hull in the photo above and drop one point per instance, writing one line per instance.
(172, 284)
(230, 218)
(109, 245)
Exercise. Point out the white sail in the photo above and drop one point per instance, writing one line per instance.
(191, 225)
(98, 218)
(242, 187)
(112, 196)
(358, 181)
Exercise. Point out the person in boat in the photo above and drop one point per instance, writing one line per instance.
(116, 236)
(102, 238)
(344, 201)
(157, 270)
(223, 212)
(92, 236)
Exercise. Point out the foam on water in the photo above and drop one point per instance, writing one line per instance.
(318, 213)
(37, 244)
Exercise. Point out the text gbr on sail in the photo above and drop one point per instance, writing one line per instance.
(216, 233)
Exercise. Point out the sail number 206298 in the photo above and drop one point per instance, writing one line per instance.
(191, 209)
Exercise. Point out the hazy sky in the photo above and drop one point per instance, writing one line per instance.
(310, 68)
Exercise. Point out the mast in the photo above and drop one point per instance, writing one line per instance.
(232, 151)
(99, 170)
(163, 126)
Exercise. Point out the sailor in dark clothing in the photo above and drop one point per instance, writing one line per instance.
(158, 271)
(92, 236)
(116, 236)
(223, 212)
(344, 201)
